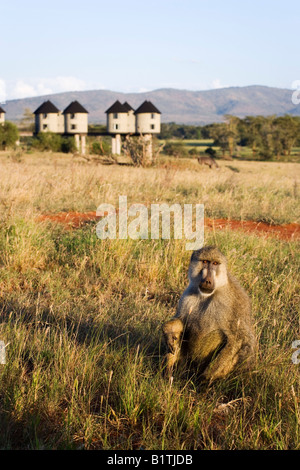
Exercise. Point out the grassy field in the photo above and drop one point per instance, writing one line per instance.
(242, 153)
(82, 318)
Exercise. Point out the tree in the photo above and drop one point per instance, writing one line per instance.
(142, 150)
(68, 145)
(220, 133)
(47, 141)
(27, 121)
(54, 142)
(175, 149)
(211, 152)
(288, 129)
(9, 135)
(270, 143)
(225, 134)
(100, 147)
(232, 132)
(250, 132)
(171, 130)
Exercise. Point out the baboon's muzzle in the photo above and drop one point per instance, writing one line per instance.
(207, 285)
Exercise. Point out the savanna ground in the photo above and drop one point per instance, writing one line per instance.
(81, 318)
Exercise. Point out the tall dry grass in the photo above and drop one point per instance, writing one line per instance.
(242, 190)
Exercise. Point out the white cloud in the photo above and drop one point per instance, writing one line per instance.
(25, 88)
(22, 90)
(61, 84)
(216, 83)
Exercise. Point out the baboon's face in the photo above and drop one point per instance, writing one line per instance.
(209, 275)
(208, 270)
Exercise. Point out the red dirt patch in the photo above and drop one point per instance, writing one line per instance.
(70, 219)
(284, 232)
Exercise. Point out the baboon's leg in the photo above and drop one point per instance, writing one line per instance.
(224, 362)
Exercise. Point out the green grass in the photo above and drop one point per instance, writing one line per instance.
(82, 318)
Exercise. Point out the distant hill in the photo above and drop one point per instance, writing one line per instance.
(180, 106)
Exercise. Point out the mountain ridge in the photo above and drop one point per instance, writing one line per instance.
(176, 105)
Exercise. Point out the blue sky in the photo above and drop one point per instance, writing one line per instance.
(133, 46)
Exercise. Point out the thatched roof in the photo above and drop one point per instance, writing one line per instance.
(147, 107)
(74, 108)
(46, 108)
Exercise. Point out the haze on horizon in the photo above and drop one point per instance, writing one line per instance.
(133, 47)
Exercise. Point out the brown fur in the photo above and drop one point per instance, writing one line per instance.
(208, 161)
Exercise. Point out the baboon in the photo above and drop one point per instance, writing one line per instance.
(208, 161)
(212, 327)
